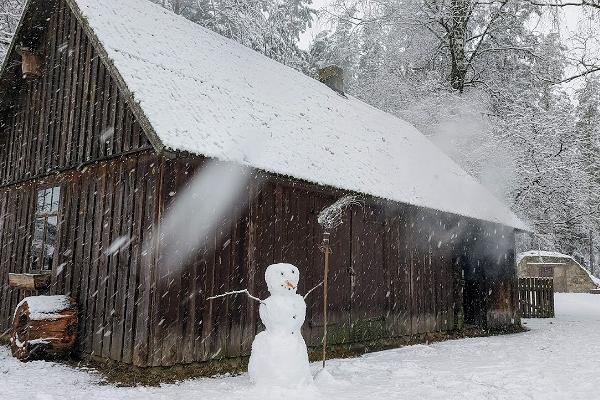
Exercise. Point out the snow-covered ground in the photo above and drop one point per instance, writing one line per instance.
(557, 359)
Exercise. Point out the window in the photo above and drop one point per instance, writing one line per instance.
(546, 271)
(45, 229)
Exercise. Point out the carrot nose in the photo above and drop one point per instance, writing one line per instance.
(290, 285)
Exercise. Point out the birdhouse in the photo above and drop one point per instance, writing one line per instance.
(30, 63)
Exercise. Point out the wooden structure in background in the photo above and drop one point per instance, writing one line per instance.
(536, 297)
(78, 172)
(48, 335)
(568, 274)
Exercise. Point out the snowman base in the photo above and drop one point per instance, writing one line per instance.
(279, 360)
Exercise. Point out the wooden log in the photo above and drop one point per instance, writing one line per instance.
(44, 327)
(29, 281)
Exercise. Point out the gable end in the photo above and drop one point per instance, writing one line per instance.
(76, 113)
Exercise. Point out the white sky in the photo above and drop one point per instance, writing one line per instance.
(307, 37)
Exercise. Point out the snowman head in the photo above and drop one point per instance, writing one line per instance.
(282, 278)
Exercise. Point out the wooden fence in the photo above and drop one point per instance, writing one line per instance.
(536, 297)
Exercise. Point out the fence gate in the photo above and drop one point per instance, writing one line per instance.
(536, 297)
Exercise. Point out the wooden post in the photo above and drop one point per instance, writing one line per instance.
(326, 249)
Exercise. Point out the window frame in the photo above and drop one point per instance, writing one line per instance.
(48, 202)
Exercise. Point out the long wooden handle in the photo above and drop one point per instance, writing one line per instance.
(326, 251)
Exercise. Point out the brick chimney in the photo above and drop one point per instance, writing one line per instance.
(333, 76)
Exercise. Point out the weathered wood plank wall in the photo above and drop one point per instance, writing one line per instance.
(393, 270)
(106, 204)
(72, 115)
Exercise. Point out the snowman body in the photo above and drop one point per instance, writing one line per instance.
(279, 355)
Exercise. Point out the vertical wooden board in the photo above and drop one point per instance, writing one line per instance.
(167, 331)
(5, 251)
(431, 267)
(41, 132)
(207, 266)
(395, 264)
(124, 262)
(237, 281)
(405, 272)
(53, 71)
(222, 281)
(71, 91)
(105, 114)
(27, 135)
(92, 105)
(34, 129)
(67, 229)
(369, 289)
(101, 313)
(94, 287)
(84, 260)
(109, 131)
(112, 250)
(245, 269)
(119, 122)
(133, 285)
(77, 190)
(99, 115)
(59, 61)
(85, 98)
(147, 274)
(18, 200)
(78, 97)
(251, 309)
(62, 89)
(445, 251)
(24, 231)
(8, 242)
(265, 238)
(83, 257)
(3, 271)
(174, 180)
(129, 125)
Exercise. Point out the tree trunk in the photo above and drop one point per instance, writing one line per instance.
(47, 334)
(458, 33)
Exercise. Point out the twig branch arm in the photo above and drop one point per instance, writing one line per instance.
(243, 291)
(312, 290)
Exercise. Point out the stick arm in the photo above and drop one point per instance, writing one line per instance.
(243, 291)
(311, 290)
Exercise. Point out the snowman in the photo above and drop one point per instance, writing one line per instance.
(279, 356)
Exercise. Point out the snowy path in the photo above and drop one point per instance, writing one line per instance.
(557, 359)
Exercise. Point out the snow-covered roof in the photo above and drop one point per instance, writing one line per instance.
(541, 253)
(555, 254)
(201, 93)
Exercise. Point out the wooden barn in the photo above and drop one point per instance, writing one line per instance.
(108, 111)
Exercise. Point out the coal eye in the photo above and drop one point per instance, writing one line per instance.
(282, 274)
(293, 272)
